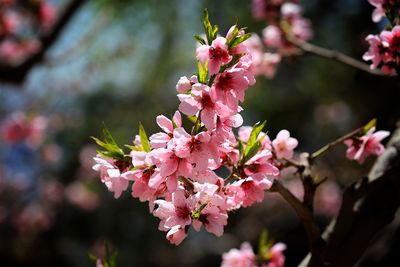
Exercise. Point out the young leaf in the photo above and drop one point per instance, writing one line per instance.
(232, 37)
(199, 39)
(369, 125)
(144, 140)
(207, 26)
(257, 128)
(249, 153)
(203, 72)
(241, 148)
(240, 39)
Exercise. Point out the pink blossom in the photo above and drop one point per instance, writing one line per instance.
(302, 29)
(183, 85)
(284, 145)
(379, 11)
(359, 148)
(272, 36)
(114, 177)
(79, 195)
(216, 54)
(230, 87)
(197, 149)
(243, 257)
(161, 139)
(373, 52)
(248, 191)
(277, 257)
(47, 14)
(200, 99)
(290, 10)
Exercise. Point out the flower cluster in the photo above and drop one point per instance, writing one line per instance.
(284, 22)
(245, 257)
(18, 23)
(384, 48)
(360, 147)
(178, 171)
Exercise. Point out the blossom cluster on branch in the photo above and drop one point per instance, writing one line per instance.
(178, 170)
(20, 23)
(285, 21)
(384, 50)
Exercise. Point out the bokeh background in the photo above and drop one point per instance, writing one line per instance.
(117, 62)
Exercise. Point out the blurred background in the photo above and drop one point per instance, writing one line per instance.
(72, 65)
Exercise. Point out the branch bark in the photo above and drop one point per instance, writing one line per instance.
(368, 206)
(17, 74)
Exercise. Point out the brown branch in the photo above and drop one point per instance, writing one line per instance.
(368, 206)
(313, 233)
(17, 74)
(336, 56)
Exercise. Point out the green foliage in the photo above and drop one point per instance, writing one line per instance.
(110, 259)
(264, 246)
(144, 140)
(235, 39)
(112, 150)
(254, 143)
(211, 31)
(199, 39)
(203, 72)
(368, 126)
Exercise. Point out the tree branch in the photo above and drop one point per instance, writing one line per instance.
(336, 56)
(368, 206)
(17, 74)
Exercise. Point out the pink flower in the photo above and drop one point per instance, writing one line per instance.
(359, 148)
(302, 29)
(198, 149)
(379, 11)
(284, 145)
(47, 14)
(183, 85)
(243, 257)
(216, 54)
(277, 257)
(230, 86)
(373, 52)
(268, 64)
(160, 140)
(200, 99)
(114, 177)
(272, 36)
(291, 10)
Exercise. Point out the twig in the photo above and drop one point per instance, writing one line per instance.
(336, 56)
(313, 233)
(334, 143)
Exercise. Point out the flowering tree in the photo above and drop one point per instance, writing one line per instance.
(178, 170)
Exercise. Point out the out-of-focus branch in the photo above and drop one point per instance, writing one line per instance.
(368, 206)
(315, 241)
(336, 56)
(17, 74)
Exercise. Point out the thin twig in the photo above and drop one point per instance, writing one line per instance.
(334, 143)
(336, 56)
(305, 215)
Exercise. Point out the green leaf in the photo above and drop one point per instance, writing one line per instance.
(199, 39)
(203, 72)
(234, 60)
(241, 148)
(210, 31)
(232, 37)
(257, 128)
(112, 150)
(263, 241)
(144, 140)
(368, 126)
(249, 153)
(192, 119)
(240, 39)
